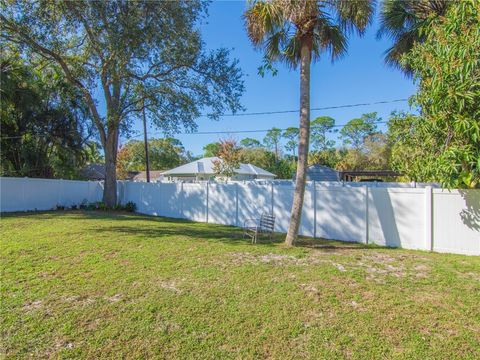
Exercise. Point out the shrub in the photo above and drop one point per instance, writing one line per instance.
(84, 204)
(130, 206)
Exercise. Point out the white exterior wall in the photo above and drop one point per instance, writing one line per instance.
(411, 218)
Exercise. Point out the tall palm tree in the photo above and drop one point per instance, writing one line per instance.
(402, 21)
(296, 32)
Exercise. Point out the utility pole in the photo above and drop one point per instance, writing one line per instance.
(146, 142)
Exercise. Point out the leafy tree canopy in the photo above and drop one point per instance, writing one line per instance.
(250, 143)
(142, 54)
(211, 150)
(46, 129)
(163, 154)
(356, 130)
(229, 154)
(319, 128)
(272, 140)
(291, 134)
(443, 142)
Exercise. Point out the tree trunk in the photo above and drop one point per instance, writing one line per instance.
(297, 205)
(110, 186)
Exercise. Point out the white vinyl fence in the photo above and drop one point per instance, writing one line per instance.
(26, 194)
(412, 218)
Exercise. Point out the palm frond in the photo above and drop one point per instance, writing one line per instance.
(280, 27)
(355, 15)
(261, 19)
(291, 52)
(328, 37)
(274, 44)
(403, 21)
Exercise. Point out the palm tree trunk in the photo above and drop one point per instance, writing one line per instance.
(297, 205)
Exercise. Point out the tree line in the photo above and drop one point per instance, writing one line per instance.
(149, 56)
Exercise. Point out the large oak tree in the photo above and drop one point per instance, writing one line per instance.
(121, 54)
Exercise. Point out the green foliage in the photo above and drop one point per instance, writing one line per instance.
(211, 150)
(357, 130)
(279, 27)
(45, 125)
(319, 128)
(130, 206)
(163, 154)
(147, 53)
(330, 157)
(291, 135)
(250, 143)
(443, 143)
(272, 140)
(100, 205)
(403, 21)
(229, 162)
(267, 160)
(373, 154)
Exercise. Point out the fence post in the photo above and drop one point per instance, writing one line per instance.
(236, 204)
(182, 202)
(428, 218)
(366, 214)
(271, 211)
(314, 209)
(24, 198)
(206, 209)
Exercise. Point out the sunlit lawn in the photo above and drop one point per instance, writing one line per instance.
(97, 285)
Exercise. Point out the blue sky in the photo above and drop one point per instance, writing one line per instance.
(360, 77)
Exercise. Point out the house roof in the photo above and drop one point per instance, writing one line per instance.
(93, 172)
(322, 173)
(205, 166)
(142, 175)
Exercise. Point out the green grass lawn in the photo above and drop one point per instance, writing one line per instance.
(97, 285)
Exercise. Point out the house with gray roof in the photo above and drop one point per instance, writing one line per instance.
(202, 169)
(322, 173)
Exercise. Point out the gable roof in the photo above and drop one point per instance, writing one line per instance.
(322, 173)
(205, 166)
(93, 172)
(142, 175)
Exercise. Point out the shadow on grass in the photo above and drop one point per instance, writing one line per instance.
(163, 227)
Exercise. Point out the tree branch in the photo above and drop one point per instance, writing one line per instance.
(67, 71)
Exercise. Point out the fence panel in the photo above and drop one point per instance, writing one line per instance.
(222, 204)
(340, 213)
(282, 208)
(194, 201)
(170, 199)
(396, 217)
(25, 194)
(253, 200)
(456, 221)
(12, 194)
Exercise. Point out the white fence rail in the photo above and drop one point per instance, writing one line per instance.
(412, 218)
(26, 194)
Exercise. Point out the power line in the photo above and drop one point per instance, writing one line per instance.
(314, 109)
(261, 113)
(282, 112)
(253, 131)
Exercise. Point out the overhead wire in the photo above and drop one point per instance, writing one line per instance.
(257, 114)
